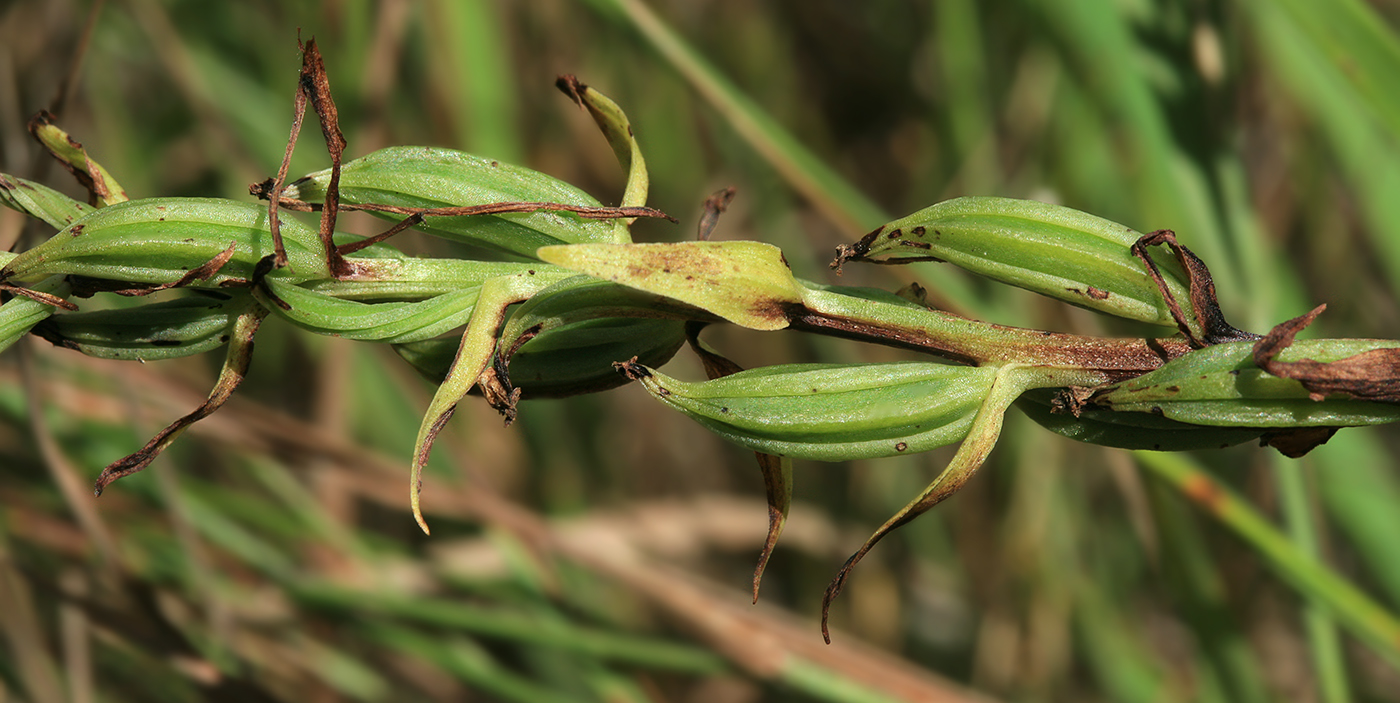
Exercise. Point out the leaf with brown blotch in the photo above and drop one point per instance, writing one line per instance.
(1373, 375)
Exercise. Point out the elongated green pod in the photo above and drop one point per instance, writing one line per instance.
(831, 412)
(747, 283)
(1052, 250)
(537, 340)
(1131, 430)
(409, 279)
(1221, 386)
(412, 176)
(372, 322)
(41, 201)
(163, 330)
(579, 298)
(159, 241)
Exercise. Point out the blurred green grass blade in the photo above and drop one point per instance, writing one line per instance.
(1359, 613)
(1368, 157)
(469, 663)
(1098, 40)
(473, 71)
(1329, 663)
(853, 212)
(1354, 37)
(344, 673)
(34, 668)
(1197, 582)
(255, 112)
(824, 684)
(236, 539)
(517, 626)
(1124, 670)
(1358, 485)
(307, 509)
(842, 203)
(958, 43)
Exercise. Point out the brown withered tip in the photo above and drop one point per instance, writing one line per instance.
(1297, 442)
(570, 85)
(262, 189)
(1070, 401)
(853, 252)
(844, 253)
(632, 370)
(42, 118)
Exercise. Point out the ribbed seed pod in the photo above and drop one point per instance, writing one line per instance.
(163, 330)
(372, 322)
(158, 241)
(831, 412)
(430, 177)
(1130, 430)
(1052, 250)
(1221, 386)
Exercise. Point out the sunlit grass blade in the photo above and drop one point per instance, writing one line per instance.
(1361, 615)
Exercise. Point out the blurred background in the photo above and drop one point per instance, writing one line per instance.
(601, 548)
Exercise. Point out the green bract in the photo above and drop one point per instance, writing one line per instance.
(747, 283)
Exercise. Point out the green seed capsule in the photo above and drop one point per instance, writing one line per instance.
(1130, 430)
(1221, 386)
(831, 412)
(159, 240)
(1052, 250)
(393, 322)
(164, 330)
(409, 279)
(432, 177)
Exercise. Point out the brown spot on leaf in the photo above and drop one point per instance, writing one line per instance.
(901, 446)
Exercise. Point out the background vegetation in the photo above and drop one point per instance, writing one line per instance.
(600, 549)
